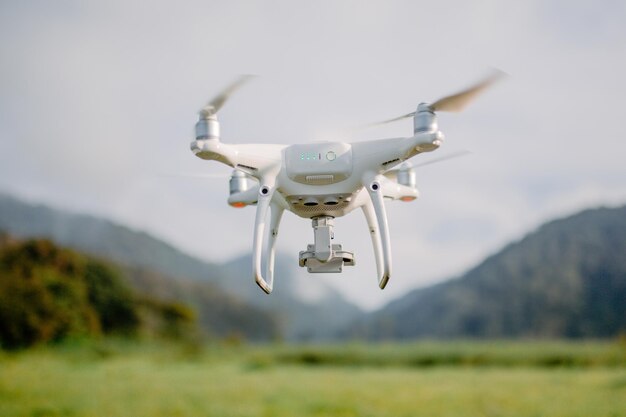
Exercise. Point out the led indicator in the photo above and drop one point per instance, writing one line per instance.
(310, 156)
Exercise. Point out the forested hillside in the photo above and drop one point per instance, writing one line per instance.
(49, 293)
(224, 296)
(567, 279)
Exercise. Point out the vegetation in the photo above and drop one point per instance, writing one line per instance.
(568, 279)
(49, 294)
(219, 315)
(109, 341)
(148, 380)
(224, 296)
(427, 354)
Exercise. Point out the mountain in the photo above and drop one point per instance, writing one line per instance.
(99, 237)
(567, 279)
(315, 310)
(48, 292)
(218, 313)
(292, 305)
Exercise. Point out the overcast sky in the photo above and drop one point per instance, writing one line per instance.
(98, 100)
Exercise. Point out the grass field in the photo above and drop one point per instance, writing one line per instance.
(419, 379)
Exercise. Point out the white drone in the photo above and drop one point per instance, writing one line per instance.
(322, 181)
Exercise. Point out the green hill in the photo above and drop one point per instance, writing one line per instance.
(219, 314)
(156, 267)
(308, 309)
(49, 293)
(567, 279)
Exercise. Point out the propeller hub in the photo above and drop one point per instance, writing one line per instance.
(207, 112)
(207, 126)
(425, 119)
(425, 107)
(238, 182)
(406, 175)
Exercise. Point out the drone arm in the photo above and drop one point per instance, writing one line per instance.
(393, 190)
(213, 149)
(387, 153)
(253, 159)
(423, 142)
(374, 186)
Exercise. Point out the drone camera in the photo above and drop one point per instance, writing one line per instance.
(324, 256)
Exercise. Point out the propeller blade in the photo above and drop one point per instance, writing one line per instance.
(451, 155)
(395, 119)
(194, 175)
(218, 101)
(392, 174)
(452, 103)
(457, 102)
(384, 122)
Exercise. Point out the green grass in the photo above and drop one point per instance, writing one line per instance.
(417, 379)
(457, 353)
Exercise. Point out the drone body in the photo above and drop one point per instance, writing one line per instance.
(322, 181)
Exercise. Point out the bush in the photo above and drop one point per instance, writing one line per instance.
(48, 293)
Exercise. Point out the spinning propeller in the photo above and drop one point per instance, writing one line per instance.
(207, 126)
(452, 103)
(213, 106)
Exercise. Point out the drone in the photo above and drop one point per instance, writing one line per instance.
(322, 181)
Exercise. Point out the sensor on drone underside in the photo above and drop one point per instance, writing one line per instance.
(324, 256)
(338, 260)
